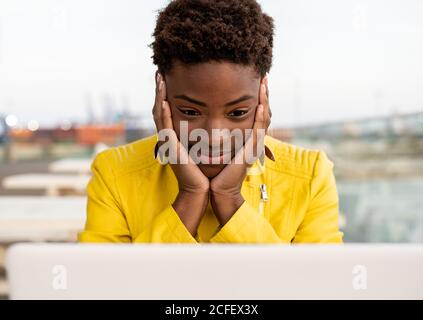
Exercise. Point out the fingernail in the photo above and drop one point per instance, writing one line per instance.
(163, 105)
(161, 85)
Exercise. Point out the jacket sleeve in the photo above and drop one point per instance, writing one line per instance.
(246, 226)
(106, 221)
(320, 223)
(166, 227)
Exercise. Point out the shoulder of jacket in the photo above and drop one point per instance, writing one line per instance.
(127, 158)
(294, 160)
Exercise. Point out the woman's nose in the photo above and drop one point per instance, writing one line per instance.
(213, 124)
(219, 134)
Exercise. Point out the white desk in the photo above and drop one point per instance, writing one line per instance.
(80, 166)
(41, 218)
(51, 183)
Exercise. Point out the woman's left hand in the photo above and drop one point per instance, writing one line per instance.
(225, 188)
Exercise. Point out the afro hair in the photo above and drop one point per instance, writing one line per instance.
(198, 31)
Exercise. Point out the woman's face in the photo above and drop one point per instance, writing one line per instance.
(213, 95)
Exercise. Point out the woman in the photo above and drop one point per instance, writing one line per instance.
(213, 57)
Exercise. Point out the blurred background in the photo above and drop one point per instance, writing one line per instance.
(76, 77)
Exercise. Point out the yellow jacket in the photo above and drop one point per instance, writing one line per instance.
(130, 198)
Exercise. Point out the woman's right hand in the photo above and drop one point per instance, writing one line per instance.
(193, 185)
(189, 175)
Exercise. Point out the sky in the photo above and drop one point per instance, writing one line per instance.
(333, 60)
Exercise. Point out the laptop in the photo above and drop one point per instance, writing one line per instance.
(209, 272)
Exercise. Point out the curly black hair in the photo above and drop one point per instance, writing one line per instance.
(196, 31)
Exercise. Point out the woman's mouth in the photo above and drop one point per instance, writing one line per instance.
(214, 158)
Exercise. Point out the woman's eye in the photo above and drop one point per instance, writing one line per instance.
(238, 113)
(190, 112)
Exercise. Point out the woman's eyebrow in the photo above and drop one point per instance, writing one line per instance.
(184, 97)
(200, 103)
(241, 99)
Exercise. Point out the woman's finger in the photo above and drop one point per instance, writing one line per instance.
(181, 154)
(157, 93)
(264, 100)
(167, 134)
(259, 132)
(268, 99)
(256, 136)
(160, 93)
(259, 121)
(157, 109)
(166, 116)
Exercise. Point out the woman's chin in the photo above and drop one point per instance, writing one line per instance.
(211, 171)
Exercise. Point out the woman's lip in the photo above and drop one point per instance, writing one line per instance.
(211, 151)
(215, 153)
(220, 159)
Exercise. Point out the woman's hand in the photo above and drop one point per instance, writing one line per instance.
(193, 185)
(225, 188)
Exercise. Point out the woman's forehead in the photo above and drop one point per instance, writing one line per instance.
(222, 79)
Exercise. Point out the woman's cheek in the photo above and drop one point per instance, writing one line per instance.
(177, 120)
(183, 126)
(246, 124)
